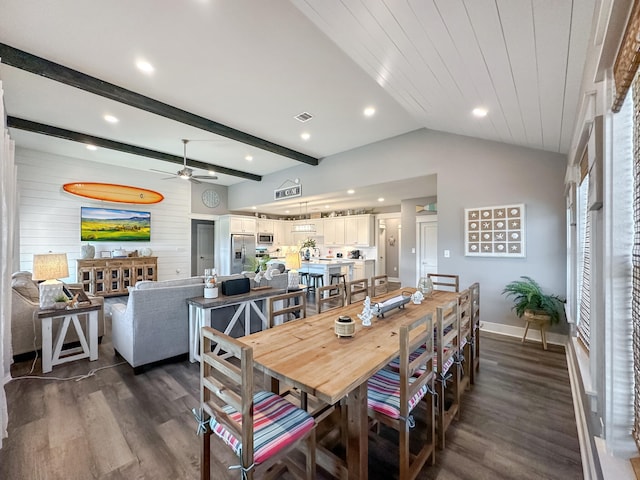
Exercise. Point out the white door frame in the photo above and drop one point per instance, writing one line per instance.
(421, 219)
(381, 247)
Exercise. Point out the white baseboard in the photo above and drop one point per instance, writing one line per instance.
(513, 331)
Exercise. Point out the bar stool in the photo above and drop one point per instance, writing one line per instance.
(304, 277)
(337, 277)
(315, 280)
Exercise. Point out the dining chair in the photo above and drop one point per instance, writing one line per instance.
(445, 281)
(260, 427)
(356, 287)
(465, 362)
(393, 397)
(447, 372)
(475, 330)
(334, 297)
(282, 306)
(379, 285)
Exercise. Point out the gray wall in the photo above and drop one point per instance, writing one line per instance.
(470, 173)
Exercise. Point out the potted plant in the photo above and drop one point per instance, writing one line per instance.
(530, 300)
(60, 302)
(306, 245)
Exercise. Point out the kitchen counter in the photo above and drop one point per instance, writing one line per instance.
(327, 266)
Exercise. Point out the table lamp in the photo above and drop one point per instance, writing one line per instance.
(292, 262)
(49, 267)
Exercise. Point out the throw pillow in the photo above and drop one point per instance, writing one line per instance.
(21, 282)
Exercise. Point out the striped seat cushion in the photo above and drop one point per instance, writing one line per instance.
(395, 363)
(383, 392)
(277, 424)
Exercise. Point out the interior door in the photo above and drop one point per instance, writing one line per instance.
(202, 246)
(428, 255)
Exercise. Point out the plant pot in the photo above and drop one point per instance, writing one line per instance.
(211, 292)
(59, 305)
(537, 315)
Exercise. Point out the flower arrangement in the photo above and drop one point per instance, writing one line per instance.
(308, 243)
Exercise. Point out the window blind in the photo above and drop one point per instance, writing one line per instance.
(584, 326)
(635, 258)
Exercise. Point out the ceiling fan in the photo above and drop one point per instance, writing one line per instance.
(186, 173)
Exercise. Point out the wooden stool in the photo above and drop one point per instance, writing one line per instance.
(304, 277)
(337, 277)
(315, 280)
(541, 320)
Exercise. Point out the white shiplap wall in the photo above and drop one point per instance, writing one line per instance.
(50, 217)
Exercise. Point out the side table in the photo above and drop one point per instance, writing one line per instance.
(55, 355)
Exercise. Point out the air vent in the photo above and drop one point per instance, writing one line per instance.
(303, 117)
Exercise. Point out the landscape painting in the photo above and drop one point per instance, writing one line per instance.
(114, 225)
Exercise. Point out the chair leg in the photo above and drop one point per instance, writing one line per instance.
(311, 455)
(205, 456)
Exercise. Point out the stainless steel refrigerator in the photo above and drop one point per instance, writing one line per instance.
(243, 251)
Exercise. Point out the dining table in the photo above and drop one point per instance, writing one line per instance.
(307, 354)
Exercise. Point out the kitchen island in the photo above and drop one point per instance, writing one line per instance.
(327, 267)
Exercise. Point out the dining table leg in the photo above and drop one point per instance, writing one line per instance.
(357, 434)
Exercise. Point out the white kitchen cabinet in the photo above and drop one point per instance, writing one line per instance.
(363, 269)
(359, 230)
(239, 224)
(334, 229)
(282, 233)
(265, 226)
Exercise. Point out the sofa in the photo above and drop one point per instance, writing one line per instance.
(25, 304)
(154, 324)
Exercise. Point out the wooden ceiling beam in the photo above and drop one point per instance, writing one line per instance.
(54, 71)
(35, 127)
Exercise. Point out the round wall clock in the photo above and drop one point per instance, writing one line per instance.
(211, 198)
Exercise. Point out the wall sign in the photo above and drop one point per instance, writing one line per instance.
(287, 192)
(495, 231)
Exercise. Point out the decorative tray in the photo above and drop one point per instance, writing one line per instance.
(256, 289)
(379, 309)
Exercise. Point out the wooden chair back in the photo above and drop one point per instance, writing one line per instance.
(379, 285)
(416, 371)
(292, 305)
(226, 380)
(356, 287)
(445, 281)
(333, 299)
(447, 373)
(464, 336)
(475, 329)
(224, 383)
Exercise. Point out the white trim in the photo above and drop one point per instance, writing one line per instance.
(514, 331)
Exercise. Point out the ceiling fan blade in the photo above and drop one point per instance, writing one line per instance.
(205, 177)
(193, 180)
(161, 171)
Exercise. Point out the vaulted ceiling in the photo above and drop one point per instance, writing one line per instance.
(253, 66)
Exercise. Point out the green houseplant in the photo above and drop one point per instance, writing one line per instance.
(529, 297)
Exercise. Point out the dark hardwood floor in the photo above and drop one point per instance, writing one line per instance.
(517, 422)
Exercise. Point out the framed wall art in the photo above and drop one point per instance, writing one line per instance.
(495, 231)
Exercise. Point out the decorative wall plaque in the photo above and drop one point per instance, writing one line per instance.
(495, 231)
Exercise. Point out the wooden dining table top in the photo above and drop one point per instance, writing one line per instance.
(308, 354)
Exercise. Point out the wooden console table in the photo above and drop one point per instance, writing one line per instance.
(112, 276)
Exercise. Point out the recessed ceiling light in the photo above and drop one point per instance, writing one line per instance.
(381, 199)
(144, 66)
(248, 158)
(111, 119)
(305, 136)
(369, 112)
(351, 192)
(326, 206)
(480, 112)
(92, 147)
(286, 211)
(212, 173)
(254, 207)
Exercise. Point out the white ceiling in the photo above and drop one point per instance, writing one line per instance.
(254, 65)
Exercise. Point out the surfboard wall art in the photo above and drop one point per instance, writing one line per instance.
(111, 192)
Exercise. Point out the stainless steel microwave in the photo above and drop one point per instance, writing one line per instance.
(265, 238)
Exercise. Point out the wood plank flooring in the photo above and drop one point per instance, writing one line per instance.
(517, 422)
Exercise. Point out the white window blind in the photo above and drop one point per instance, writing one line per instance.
(584, 327)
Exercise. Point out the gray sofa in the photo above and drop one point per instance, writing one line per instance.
(154, 324)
